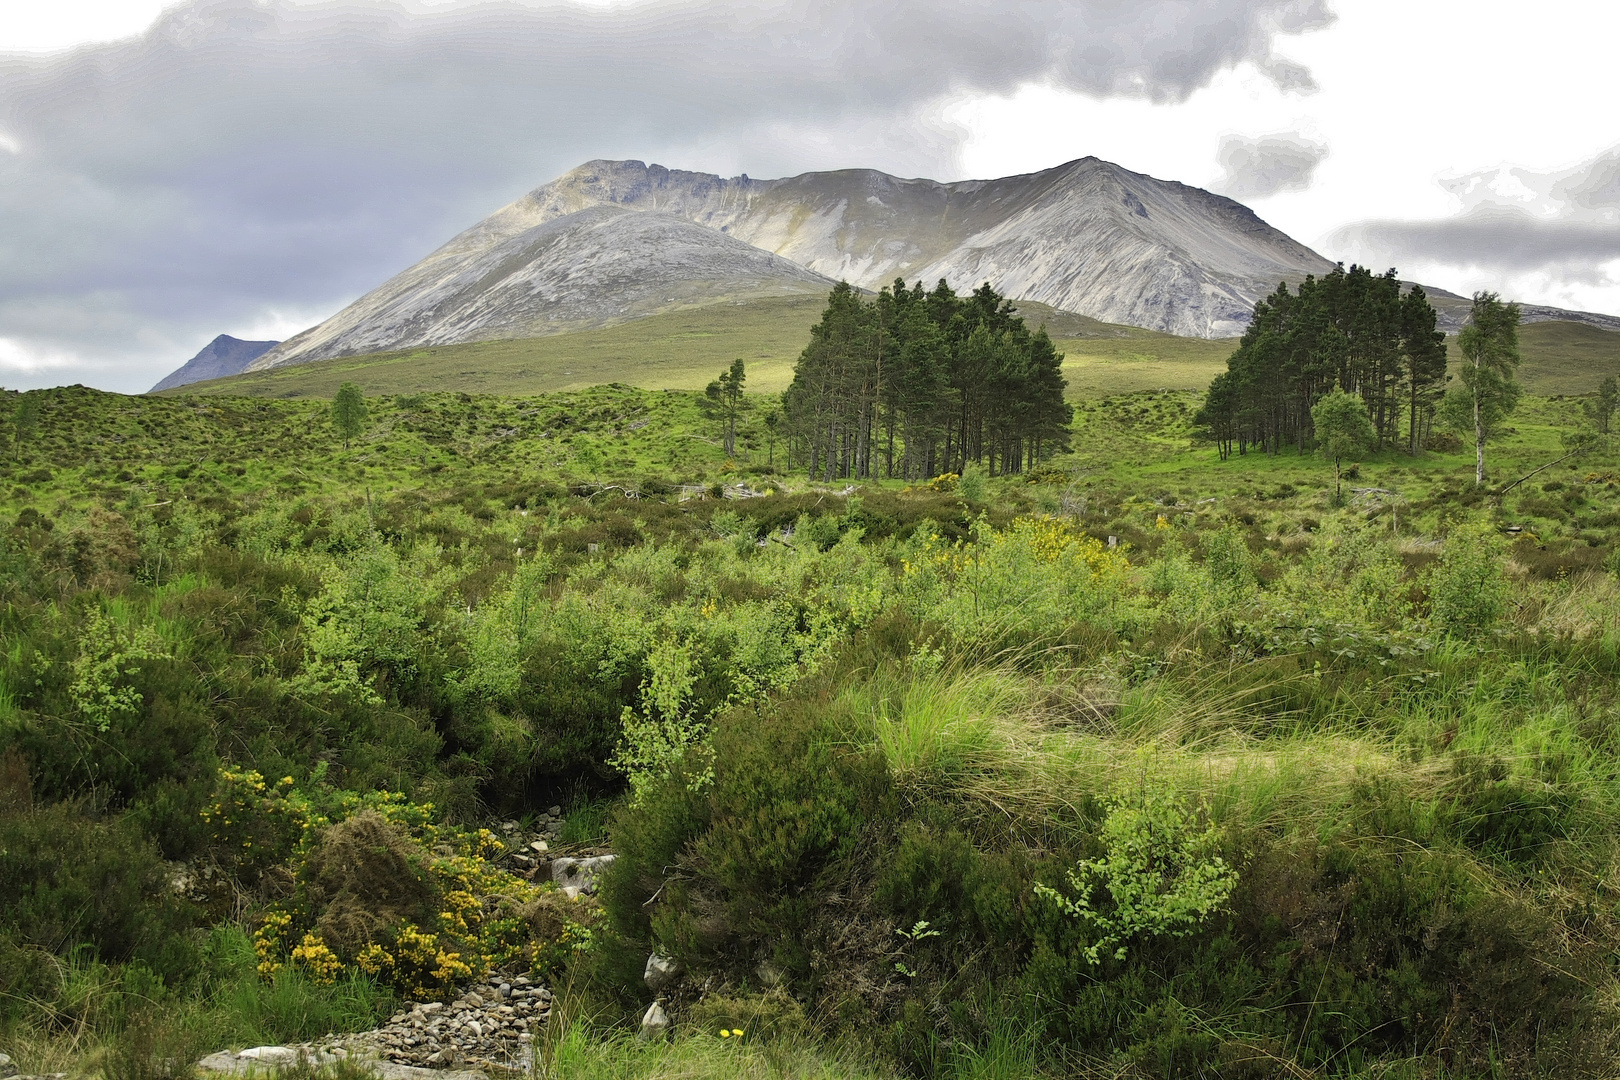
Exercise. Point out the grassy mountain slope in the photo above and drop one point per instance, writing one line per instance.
(683, 350)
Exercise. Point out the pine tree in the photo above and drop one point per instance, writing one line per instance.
(726, 392)
(913, 383)
(1350, 329)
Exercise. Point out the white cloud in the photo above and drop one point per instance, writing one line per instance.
(1545, 236)
(1257, 168)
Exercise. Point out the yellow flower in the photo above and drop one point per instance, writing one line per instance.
(322, 962)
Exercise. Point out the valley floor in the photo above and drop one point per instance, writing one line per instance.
(1146, 764)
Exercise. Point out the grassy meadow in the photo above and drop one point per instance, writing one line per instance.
(1142, 765)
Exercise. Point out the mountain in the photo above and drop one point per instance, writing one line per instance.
(1088, 237)
(617, 240)
(601, 265)
(223, 356)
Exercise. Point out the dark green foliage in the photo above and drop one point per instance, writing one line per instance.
(920, 383)
(70, 878)
(1349, 329)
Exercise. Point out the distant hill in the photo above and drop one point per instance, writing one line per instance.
(685, 349)
(223, 356)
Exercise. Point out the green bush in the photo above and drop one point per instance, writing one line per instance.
(70, 878)
(1467, 590)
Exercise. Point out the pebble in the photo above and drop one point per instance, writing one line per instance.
(489, 1026)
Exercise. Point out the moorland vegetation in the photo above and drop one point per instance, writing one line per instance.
(1142, 762)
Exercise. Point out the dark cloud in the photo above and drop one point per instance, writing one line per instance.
(249, 156)
(1259, 167)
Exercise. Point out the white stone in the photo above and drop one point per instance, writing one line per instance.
(582, 873)
(660, 972)
(656, 1023)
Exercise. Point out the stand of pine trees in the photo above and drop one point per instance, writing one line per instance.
(914, 384)
(1349, 329)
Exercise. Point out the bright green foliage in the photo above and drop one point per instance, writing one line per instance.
(108, 655)
(665, 732)
(899, 713)
(1487, 393)
(349, 412)
(1342, 429)
(1600, 408)
(1014, 590)
(1161, 874)
(1468, 592)
(365, 622)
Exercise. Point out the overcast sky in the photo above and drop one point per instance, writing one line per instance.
(172, 172)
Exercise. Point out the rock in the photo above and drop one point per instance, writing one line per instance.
(580, 873)
(540, 846)
(661, 971)
(656, 1023)
(6, 1067)
(769, 974)
(270, 1055)
(555, 811)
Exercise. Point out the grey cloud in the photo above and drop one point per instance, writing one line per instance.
(1513, 221)
(1255, 168)
(250, 155)
(1498, 239)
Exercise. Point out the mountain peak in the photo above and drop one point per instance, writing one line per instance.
(225, 355)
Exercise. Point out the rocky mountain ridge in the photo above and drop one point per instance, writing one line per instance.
(602, 265)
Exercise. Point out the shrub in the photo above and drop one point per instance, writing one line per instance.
(69, 878)
(1467, 590)
(383, 893)
(1161, 874)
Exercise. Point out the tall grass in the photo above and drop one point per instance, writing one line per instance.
(583, 1054)
(126, 1023)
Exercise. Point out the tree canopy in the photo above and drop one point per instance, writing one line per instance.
(915, 383)
(1342, 428)
(1487, 393)
(349, 412)
(1350, 329)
